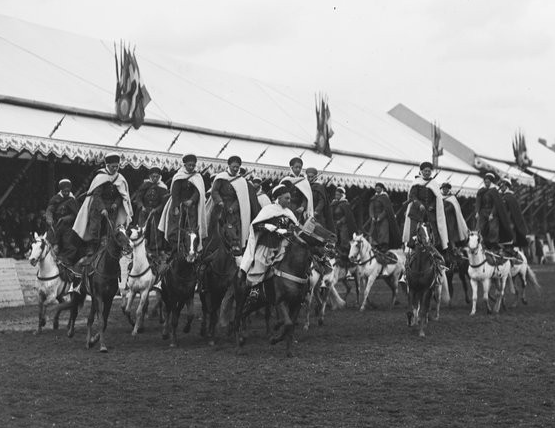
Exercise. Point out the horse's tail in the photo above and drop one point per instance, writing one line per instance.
(532, 279)
(335, 299)
(226, 308)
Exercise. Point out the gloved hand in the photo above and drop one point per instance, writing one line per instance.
(176, 211)
(49, 221)
(104, 213)
(281, 231)
(188, 203)
(114, 207)
(270, 227)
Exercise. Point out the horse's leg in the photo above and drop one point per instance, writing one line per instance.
(129, 298)
(309, 298)
(487, 284)
(175, 321)
(190, 315)
(268, 316)
(166, 326)
(206, 306)
(42, 309)
(474, 286)
(294, 310)
(64, 306)
(449, 274)
(371, 278)
(90, 321)
(140, 314)
(524, 285)
(106, 306)
(463, 277)
(393, 282)
(425, 301)
(357, 278)
(284, 313)
(322, 312)
(72, 315)
(501, 294)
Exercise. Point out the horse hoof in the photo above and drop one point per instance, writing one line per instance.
(134, 333)
(141, 330)
(320, 322)
(203, 332)
(173, 345)
(289, 354)
(70, 334)
(55, 325)
(273, 341)
(305, 327)
(165, 336)
(524, 301)
(242, 341)
(42, 322)
(37, 332)
(211, 343)
(187, 329)
(421, 334)
(103, 349)
(361, 309)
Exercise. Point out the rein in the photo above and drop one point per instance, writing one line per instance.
(290, 277)
(140, 274)
(49, 278)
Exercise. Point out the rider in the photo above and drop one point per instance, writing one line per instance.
(322, 210)
(344, 222)
(60, 215)
(492, 218)
(384, 230)
(457, 230)
(426, 205)
(107, 204)
(149, 201)
(262, 197)
(186, 207)
(266, 244)
(518, 224)
(301, 193)
(231, 193)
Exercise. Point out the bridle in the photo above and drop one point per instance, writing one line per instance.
(371, 254)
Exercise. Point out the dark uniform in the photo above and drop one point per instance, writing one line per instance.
(421, 195)
(149, 201)
(104, 197)
(345, 225)
(384, 229)
(518, 224)
(322, 211)
(495, 230)
(61, 213)
(223, 192)
(452, 225)
(185, 195)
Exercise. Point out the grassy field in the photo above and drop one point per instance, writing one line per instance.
(359, 369)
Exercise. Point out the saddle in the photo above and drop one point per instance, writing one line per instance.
(387, 258)
(495, 259)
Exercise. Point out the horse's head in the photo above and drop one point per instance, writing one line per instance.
(39, 249)
(191, 241)
(136, 235)
(474, 241)
(231, 239)
(121, 239)
(424, 234)
(358, 243)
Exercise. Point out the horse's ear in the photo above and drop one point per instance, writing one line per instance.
(354, 236)
(36, 236)
(43, 236)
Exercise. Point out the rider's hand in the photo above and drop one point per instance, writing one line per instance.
(176, 211)
(477, 215)
(281, 231)
(114, 207)
(104, 213)
(49, 221)
(300, 209)
(270, 227)
(422, 208)
(490, 217)
(188, 203)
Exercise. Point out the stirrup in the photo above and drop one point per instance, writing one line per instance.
(76, 290)
(254, 293)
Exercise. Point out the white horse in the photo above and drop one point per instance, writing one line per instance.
(51, 287)
(140, 280)
(480, 271)
(522, 269)
(369, 269)
(322, 289)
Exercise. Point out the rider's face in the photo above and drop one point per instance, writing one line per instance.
(155, 177)
(427, 173)
(487, 182)
(190, 166)
(310, 176)
(112, 168)
(65, 192)
(256, 185)
(296, 168)
(234, 167)
(285, 200)
(445, 191)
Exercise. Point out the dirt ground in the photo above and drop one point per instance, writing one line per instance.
(359, 369)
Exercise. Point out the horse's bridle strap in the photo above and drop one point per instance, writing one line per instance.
(140, 274)
(290, 277)
(479, 264)
(50, 278)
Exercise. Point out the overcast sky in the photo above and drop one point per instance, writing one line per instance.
(481, 68)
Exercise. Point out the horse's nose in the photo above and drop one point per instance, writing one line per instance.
(351, 259)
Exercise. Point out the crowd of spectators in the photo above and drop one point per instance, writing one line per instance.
(17, 229)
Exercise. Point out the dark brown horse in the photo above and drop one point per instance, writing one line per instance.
(100, 280)
(458, 262)
(178, 285)
(218, 273)
(424, 278)
(286, 290)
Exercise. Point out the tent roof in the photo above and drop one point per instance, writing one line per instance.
(263, 123)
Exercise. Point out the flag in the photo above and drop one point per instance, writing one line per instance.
(132, 96)
(324, 130)
(520, 151)
(437, 149)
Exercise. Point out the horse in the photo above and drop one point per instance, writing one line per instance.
(520, 268)
(341, 271)
(286, 290)
(424, 279)
(141, 280)
(100, 279)
(456, 261)
(51, 286)
(321, 290)
(219, 273)
(371, 269)
(179, 283)
(480, 271)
